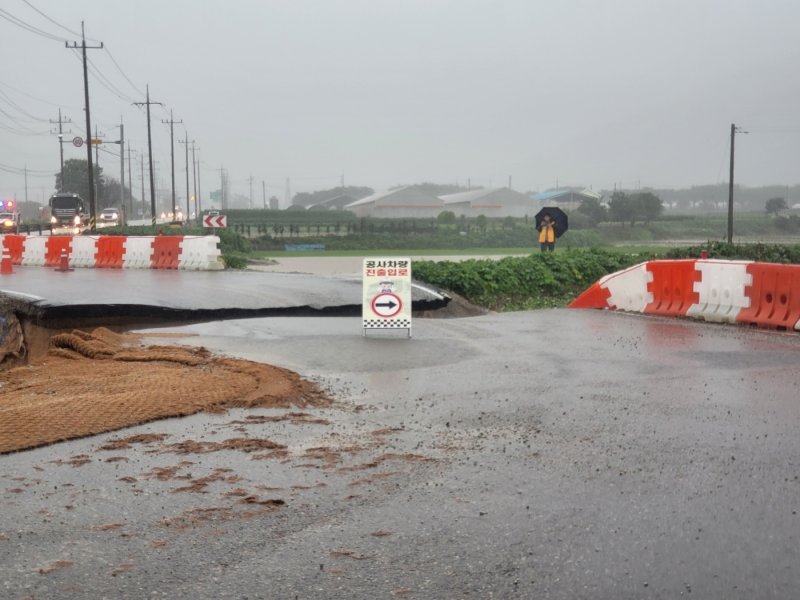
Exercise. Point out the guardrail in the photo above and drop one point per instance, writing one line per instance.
(762, 294)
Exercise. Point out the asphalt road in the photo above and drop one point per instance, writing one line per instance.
(81, 296)
(545, 454)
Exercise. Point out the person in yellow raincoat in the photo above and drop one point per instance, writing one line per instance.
(547, 234)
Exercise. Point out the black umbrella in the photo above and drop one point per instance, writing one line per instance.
(558, 216)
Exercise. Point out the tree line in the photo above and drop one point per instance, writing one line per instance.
(623, 208)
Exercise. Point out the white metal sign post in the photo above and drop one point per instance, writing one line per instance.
(386, 294)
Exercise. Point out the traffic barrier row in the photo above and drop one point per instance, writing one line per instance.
(198, 253)
(760, 294)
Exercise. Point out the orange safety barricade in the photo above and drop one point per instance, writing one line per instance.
(54, 246)
(672, 287)
(774, 296)
(16, 247)
(594, 297)
(109, 251)
(166, 251)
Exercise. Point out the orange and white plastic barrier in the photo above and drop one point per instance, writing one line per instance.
(762, 294)
(199, 253)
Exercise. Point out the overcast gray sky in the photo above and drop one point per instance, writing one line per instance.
(384, 92)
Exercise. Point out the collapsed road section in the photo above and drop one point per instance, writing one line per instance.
(36, 297)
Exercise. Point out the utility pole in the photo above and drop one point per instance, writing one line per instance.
(150, 152)
(185, 142)
(95, 141)
(734, 131)
(130, 183)
(121, 142)
(90, 167)
(221, 189)
(251, 191)
(122, 165)
(172, 154)
(264, 191)
(199, 192)
(194, 181)
(144, 206)
(61, 133)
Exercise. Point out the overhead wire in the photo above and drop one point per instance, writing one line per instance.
(116, 64)
(19, 91)
(28, 27)
(30, 132)
(26, 130)
(25, 170)
(53, 21)
(99, 77)
(119, 93)
(20, 109)
(18, 127)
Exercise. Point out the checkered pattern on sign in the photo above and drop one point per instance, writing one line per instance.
(387, 323)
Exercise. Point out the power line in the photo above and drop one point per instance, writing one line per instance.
(111, 152)
(27, 130)
(19, 132)
(11, 87)
(28, 27)
(122, 95)
(133, 85)
(21, 170)
(102, 79)
(52, 20)
(20, 109)
(19, 22)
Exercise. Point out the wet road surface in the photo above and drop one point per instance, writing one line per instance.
(53, 298)
(544, 454)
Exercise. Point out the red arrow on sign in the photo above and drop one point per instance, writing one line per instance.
(215, 221)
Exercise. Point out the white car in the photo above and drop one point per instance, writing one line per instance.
(110, 215)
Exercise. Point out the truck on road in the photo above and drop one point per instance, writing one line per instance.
(68, 210)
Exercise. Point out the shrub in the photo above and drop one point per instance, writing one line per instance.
(514, 283)
(774, 253)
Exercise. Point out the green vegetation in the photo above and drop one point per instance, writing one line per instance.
(771, 253)
(554, 279)
(270, 231)
(583, 255)
(529, 280)
(540, 280)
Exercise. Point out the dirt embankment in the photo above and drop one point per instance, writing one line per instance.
(89, 383)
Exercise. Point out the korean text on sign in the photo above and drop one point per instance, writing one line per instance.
(386, 268)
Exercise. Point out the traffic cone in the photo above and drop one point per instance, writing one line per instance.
(63, 263)
(6, 268)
